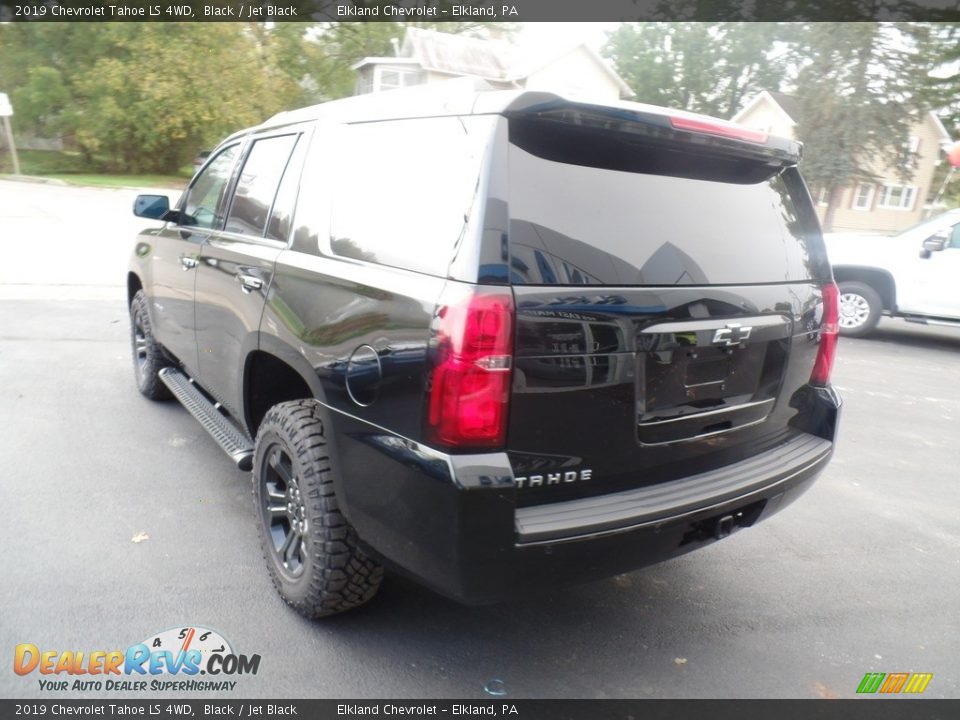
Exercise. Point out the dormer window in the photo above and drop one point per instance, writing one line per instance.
(394, 79)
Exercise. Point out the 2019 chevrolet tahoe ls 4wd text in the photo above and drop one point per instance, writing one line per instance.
(493, 339)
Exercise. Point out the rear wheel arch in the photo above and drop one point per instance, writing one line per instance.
(881, 281)
(267, 381)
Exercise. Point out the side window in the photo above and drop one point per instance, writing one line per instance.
(257, 185)
(200, 209)
(282, 216)
(320, 171)
(405, 195)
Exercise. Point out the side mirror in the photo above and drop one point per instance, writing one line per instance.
(153, 207)
(935, 243)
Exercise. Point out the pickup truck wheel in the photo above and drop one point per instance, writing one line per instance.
(148, 358)
(311, 550)
(860, 309)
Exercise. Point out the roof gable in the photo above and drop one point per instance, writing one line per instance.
(780, 102)
(945, 138)
(788, 103)
(525, 68)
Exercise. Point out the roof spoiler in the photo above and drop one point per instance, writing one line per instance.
(653, 124)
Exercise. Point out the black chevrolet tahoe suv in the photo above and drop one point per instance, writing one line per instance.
(493, 339)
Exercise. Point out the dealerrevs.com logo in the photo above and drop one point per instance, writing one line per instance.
(174, 659)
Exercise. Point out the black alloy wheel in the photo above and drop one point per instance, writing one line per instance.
(148, 357)
(283, 513)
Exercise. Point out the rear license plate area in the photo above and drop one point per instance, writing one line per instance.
(690, 385)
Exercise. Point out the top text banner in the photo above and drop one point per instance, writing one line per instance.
(479, 10)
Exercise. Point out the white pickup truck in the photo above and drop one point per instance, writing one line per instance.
(914, 275)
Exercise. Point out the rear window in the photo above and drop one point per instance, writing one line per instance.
(577, 224)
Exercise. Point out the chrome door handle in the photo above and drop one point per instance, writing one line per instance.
(187, 262)
(249, 283)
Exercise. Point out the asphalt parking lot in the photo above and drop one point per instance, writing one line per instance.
(861, 575)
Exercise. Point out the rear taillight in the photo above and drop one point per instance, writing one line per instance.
(829, 331)
(469, 391)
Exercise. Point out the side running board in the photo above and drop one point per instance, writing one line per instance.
(234, 442)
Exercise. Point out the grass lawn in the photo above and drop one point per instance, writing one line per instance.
(71, 168)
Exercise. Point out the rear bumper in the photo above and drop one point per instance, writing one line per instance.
(452, 522)
(713, 491)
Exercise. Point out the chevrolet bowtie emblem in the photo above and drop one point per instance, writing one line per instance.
(732, 334)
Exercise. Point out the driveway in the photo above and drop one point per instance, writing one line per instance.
(123, 518)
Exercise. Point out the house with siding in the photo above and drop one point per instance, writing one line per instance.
(427, 56)
(885, 205)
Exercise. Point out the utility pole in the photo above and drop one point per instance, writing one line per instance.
(6, 111)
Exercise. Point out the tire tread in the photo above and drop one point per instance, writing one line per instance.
(340, 575)
(149, 383)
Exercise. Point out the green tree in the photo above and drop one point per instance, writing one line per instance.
(940, 42)
(140, 97)
(145, 97)
(860, 85)
(708, 68)
(857, 87)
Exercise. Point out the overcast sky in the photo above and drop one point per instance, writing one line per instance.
(550, 35)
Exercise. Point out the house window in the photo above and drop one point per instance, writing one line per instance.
(911, 152)
(823, 196)
(897, 197)
(863, 197)
(395, 79)
(364, 83)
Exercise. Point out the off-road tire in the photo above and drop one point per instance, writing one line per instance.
(865, 298)
(148, 357)
(332, 574)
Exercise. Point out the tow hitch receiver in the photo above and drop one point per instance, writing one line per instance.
(724, 527)
(719, 526)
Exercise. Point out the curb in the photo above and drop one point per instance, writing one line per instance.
(63, 183)
(33, 179)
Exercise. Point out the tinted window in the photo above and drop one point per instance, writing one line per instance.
(282, 215)
(257, 185)
(206, 193)
(312, 219)
(403, 194)
(571, 224)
